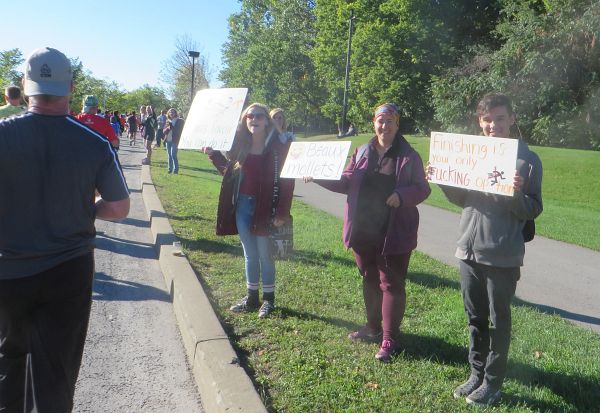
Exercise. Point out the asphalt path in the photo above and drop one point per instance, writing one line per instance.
(134, 360)
(557, 278)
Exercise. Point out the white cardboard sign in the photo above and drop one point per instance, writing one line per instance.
(213, 119)
(321, 160)
(480, 163)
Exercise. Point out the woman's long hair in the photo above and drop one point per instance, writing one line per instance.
(243, 137)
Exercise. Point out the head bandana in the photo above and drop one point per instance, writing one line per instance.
(387, 109)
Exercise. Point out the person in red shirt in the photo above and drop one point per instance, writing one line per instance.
(91, 119)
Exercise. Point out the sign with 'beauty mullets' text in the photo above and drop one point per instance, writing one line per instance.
(480, 163)
(320, 160)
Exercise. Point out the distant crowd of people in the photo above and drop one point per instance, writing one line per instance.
(58, 173)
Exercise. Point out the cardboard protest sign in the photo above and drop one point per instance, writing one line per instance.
(213, 119)
(321, 160)
(480, 163)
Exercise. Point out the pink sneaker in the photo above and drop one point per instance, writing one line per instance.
(386, 351)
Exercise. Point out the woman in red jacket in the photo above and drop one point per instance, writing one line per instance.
(246, 200)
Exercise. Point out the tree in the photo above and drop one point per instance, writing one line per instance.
(398, 47)
(177, 73)
(146, 95)
(268, 51)
(548, 62)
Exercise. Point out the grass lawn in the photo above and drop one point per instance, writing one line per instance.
(300, 359)
(570, 191)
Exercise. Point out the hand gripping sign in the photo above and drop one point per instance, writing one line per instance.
(480, 163)
(320, 160)
(213, 119)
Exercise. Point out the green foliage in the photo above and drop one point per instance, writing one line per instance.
(397, 46)
(268, 51)
(549, 62)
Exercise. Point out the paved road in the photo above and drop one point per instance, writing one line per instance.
(134, 360)
(557, 277)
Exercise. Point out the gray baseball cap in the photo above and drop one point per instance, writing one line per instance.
(48, 72)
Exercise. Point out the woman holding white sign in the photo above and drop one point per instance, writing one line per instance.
(246, 204)
(384, 182)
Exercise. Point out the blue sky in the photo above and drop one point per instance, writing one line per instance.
(124, 41)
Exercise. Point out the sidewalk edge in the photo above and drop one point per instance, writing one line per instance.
(223, 385)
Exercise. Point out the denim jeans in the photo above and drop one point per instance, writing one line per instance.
(487, 293)
(173, 162)
(257, 254)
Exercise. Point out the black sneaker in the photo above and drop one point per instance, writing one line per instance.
(244, 305)
(467, 387)
(485, 395)
(266, 308)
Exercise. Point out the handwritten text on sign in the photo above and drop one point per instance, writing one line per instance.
(321, 160)
(480, 163)
(213, 119)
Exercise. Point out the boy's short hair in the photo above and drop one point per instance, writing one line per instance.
(13, 92)
(493, 100)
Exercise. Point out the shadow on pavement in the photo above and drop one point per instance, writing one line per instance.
(435, 281)
(107, 288)
(140, 223)
(126, 247)
(563, 313)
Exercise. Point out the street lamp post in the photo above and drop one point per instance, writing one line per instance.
(193, 55)
(347, 81)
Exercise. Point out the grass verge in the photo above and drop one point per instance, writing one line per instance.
(300, 359)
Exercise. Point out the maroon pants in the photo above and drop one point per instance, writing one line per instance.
(384, 289)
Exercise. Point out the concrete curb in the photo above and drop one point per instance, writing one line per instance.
(223, 385)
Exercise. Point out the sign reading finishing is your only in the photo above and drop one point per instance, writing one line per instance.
(480, 163)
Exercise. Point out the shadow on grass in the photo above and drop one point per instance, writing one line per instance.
(302, 315)
(432, 280)
(418, 347)
(189, 218)
(583, 393)
(309, 257)
(211, 171)
(206, 245)
(182, 167)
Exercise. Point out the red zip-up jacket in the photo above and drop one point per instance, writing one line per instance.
(230, 186)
